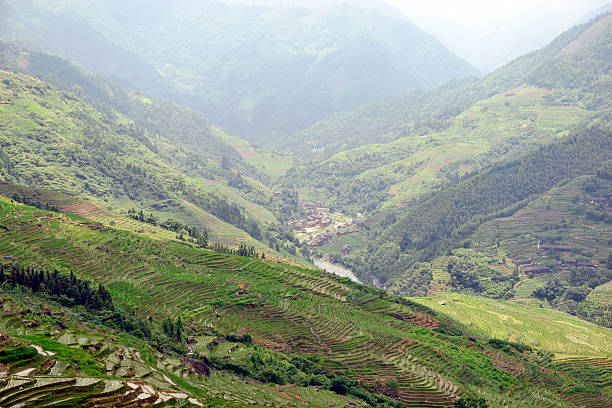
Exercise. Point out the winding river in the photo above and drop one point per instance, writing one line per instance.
(336, 269)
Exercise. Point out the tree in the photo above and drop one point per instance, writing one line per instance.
(179, 330)
(339, 385)
(469, 402)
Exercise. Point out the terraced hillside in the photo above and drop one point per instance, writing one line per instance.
(491, 130)
(218, 232)
(425, 140)
(52, 139)
(46, 360)
(564, 214)
(516, 321)
(387, 346)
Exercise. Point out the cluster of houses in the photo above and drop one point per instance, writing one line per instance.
(317, 220)
(554, 247)
(603, 203)
(314, 220)
(326, 236)
(531, 269)
(321, 239)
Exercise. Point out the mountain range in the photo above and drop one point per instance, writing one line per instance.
(169, 171)
(261, 72)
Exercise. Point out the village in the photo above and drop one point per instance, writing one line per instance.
(321, 226)
(533, 269)
(603, 204)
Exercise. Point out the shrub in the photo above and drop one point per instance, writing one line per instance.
(17, 354)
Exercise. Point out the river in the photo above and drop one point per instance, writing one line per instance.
(336, 269)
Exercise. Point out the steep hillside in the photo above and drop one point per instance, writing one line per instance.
(35, 24)
(178, 124)
(378, 122)
(438, 152)
(557, 332)
(216, 316)
(260, 72)
(573, 71)
(532, 101)
(55, 141)
(538, 229)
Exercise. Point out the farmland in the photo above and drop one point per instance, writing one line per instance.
(390, 347)
(559, 215)
(490, 130)
(274, 165)
(81, 365)
(547, 329)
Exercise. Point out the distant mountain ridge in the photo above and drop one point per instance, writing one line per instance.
(420, 155)
(261, 73)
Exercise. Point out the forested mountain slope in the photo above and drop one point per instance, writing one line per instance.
(260, 72)
(226, 330)
(535, 230)
(56, 141)
(456, 207)
(176, 123)
(467, 126)
(574, 60)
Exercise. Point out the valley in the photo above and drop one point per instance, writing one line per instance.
(321, 225)
(217, 204)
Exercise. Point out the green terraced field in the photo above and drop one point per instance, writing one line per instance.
(558, 214)
(602, 294)
(400, 350)
(90, 366)
(273, 165)
(547, 329)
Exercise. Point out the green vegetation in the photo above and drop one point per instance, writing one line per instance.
(143, 250)
(261, 93)
(444, 217)
(17, 355)
(63, 352)
(523, 323)
(483, 170)
(267, 321)
(124, 162)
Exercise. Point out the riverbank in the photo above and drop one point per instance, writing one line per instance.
(336, 269)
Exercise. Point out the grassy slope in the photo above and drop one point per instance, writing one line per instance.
(46, 134)
(273, 165)
(375, 340)
(547, 329)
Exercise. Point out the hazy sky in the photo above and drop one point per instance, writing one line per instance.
(488, 13)
(489, 33)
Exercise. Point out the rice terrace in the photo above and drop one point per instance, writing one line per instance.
(308, 204)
